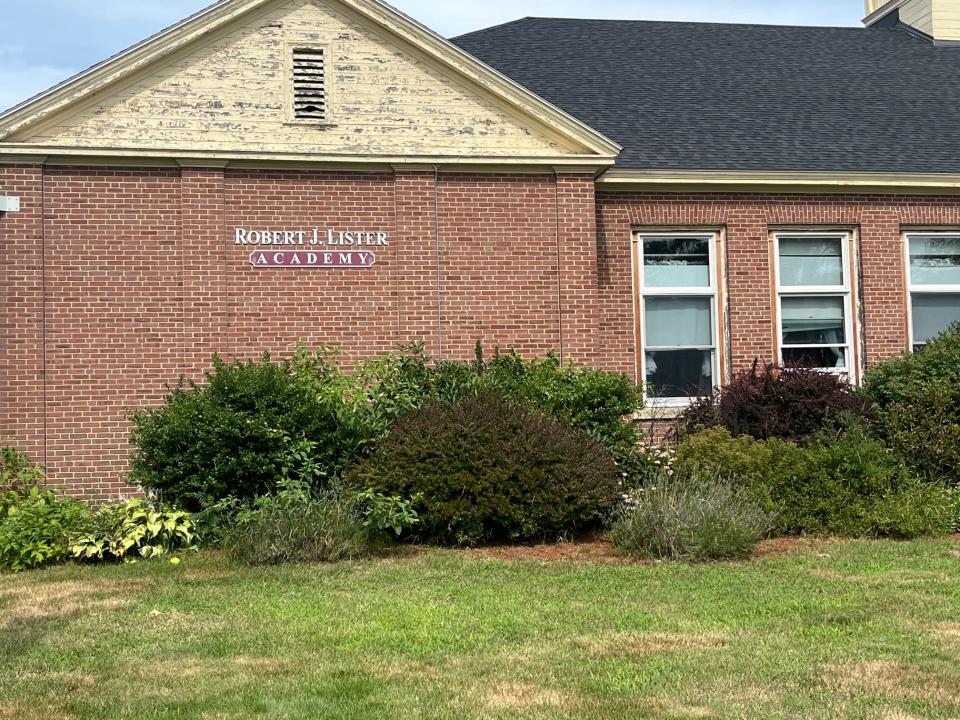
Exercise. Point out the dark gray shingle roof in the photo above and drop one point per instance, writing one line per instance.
(743, 97)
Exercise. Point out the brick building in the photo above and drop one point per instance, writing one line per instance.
(669, 200)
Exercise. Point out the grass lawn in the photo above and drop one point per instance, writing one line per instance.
(821, 630)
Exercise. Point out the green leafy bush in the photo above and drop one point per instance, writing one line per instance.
(296, 524)
(135, 529)
(955, 502)
(382, 513)
(17, 472)
(36, 528)
(918, 401)
(768, 401)
(899, 381)
(845, 483)
(238, 433)
(489, 469)
(761, 468)
(690, 518)
(925, 431)
(251, 424)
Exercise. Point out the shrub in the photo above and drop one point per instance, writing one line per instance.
(489, 469)
(925, 431)
(842, 483)
(251, 424)
(134, 529)
(382, 513)
(248, 425)
(36, 528)
(955, 503)
(17, 472)
(772, 402)
(690, 518)
(297, 525)
(900, 380)
(759, 468)
(914, 509)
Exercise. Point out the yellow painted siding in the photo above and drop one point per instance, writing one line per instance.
(918, 14)
(231, 94)
(946, 19)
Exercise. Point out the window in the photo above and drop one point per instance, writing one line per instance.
(934, 285)
(678, 309)
(309, 85)
(814, 305)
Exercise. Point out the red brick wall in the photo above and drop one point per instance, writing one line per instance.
(747, 220)
(273, 309)
(498, 250)
(114, 309)
(117, 280)
(21, 312)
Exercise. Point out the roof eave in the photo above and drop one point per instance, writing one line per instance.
(627, 179)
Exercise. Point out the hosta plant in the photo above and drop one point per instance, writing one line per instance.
(135, 529)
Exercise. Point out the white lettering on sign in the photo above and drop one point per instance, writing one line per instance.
(302, 258)
(316, 236)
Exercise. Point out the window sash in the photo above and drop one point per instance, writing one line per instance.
(919, 244)
(707, 292)
(842, 291)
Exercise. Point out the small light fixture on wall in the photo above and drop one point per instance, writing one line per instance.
(9, 203)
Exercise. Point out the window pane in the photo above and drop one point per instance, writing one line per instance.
(935, 260)
(678, 322)
(676, 262)
(932, 314)
(828, 358)
(813, 321)
(680, 373)
(811, 261)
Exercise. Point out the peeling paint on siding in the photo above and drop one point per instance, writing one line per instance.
(231, 94)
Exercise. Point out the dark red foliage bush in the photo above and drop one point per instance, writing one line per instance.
(490, 470)
(775, 402)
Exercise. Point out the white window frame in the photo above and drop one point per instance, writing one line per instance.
(923, 289)
(803, 291)
(707, 291)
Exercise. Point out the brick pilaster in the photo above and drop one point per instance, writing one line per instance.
(204, 250)
(577, 260)
(21, 312)
(417, 277)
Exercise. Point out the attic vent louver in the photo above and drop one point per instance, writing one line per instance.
(309, 85)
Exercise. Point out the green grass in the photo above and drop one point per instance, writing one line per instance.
(832, 630)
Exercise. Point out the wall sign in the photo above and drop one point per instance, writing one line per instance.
(315, 248)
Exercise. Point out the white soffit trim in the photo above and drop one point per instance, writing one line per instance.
(718, 180)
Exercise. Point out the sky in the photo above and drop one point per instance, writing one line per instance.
(43, 42)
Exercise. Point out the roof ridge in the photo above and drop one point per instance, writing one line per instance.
(638, 21)
(498, 26)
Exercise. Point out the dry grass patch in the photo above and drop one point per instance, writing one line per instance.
(522, 696)
(14, 711)
(674, 709)
(645, 644)
(898, 715)
(42, 601)
(891, 680)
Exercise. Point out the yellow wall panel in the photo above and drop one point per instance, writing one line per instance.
(231, 94)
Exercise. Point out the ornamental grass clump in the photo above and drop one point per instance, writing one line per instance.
(690, 518)
(297, 525)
